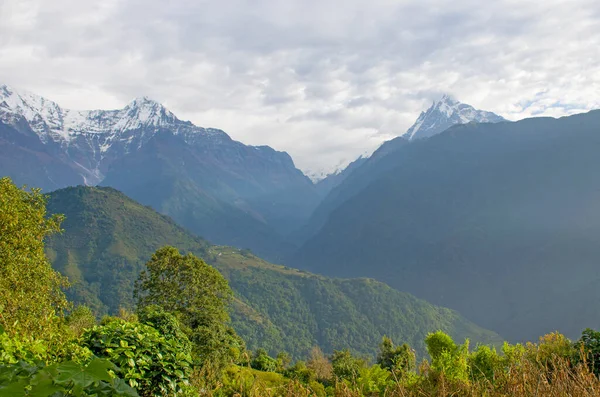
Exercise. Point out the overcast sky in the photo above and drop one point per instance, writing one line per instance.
(325, 80)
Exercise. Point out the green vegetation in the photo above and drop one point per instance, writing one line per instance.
(108, 238)
(195, 293)
(29, 303)
(157, 351)
(154, 364)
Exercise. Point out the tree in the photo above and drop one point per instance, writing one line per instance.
(263, 362)
(399, 360)
(320, 365)
(346, 366)
(283, 361)
(588, 347)
(31, 295)
(198, 295)
(484, 363)
(447, 357)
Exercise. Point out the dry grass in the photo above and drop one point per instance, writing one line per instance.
(527, 380)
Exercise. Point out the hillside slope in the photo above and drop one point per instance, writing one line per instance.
(108, 238)
(498, 221)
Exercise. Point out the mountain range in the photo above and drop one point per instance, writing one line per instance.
(499, 221)
(442, 114)
(228, 192)
(495, 219)
(108, 237)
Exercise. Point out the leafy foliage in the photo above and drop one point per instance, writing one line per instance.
(346, 366)
(63, 379)
(153, 364)
(589, 348)
(30, 290)
(198, 295)
(447, 357)
(400, 360)
(262, 362)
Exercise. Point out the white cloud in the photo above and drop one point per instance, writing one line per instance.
(325, 80)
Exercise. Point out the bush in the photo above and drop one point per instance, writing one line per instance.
(400, 360)
(300, 372)
(447, 357)
(153, 364)
(80, 320)
(484, 362)
(346, 366)
(588, 349)
(263, 362)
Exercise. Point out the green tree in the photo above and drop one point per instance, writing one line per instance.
(588, 347)
(80, 320)
(484, 363)
(399, 360)
(198, 295)
(31, 295)
(263, 362)
(283, 361)
(447, 357)
(346, 366)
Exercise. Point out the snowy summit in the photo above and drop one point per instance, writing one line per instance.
(445, 113)
(96, 134)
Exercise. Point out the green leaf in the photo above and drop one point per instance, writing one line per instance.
(123, 389)
(16, 389)
(98, 369)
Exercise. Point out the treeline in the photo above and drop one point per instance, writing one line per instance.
(178, 341)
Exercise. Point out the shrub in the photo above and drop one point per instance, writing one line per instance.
(588, 347)
(484, 362)
(263, 362)
(346, 366)
(447, 357)
(151, 363)
(400, 360)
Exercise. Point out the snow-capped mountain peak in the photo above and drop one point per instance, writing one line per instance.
(144, 112)
(443, 114)
(42, 114)
(97, 133)
(53, 123)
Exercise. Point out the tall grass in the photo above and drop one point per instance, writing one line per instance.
(553, 377)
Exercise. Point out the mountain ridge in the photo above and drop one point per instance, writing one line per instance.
(231, 193)
(440, 116)
(108, 237)
(488, 218)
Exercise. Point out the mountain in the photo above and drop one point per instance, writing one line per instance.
(108, 237)
(445, 113)
(27, 160)
(498, 221)
(442, 114)
(231, 193)
(331, 181)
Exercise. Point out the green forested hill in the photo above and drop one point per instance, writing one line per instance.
(108, 238)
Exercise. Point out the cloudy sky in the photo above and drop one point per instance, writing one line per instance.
(325, 80)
